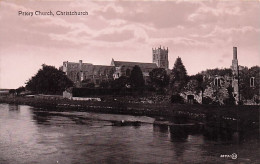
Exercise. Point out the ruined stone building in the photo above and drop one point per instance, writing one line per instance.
(219, 85)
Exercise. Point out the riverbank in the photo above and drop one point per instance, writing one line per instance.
(116, 105)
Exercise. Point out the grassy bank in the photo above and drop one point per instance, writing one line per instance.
(222, 119)
(117, 105)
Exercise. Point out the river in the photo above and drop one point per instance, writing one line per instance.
(35, 136)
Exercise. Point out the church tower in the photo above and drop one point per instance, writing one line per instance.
(160, 57)
(235, 73)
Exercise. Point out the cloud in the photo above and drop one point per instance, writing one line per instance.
(156, 14)
(29, 30)
(116, 36)
(200, 32)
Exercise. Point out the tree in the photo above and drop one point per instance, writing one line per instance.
(230, 100)
(217, 71)
(120, 83)
(136, 78)
(12, 92)
(19, 90)
(179, 76)
(177, 99)
(87, 83)
(49, 80)
(159, 78)
(248, 92)
(105, 84)
(199, 83)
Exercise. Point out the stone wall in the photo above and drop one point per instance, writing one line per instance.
(197, 96)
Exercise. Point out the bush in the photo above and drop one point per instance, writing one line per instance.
(84, 92)
(229, 101)
(195, 101)
(104, 84)
(88, 85)
(207, 100)
(177, 99)
(240, 103)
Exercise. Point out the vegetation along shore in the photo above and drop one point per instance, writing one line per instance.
(244, 116)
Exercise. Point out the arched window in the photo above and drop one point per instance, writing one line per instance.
(217, 81)
(252, 82)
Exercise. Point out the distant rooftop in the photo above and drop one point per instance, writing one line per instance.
(126, 63)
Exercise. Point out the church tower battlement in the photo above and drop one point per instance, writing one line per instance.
(160, 57)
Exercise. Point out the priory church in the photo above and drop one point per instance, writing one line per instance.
(80, 71)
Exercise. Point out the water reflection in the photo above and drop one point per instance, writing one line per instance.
(13, 107)
(161, 128)
(220, 131)
(179, 150)
(41, 117)
(218, 134)
(179, 133)
(28, 135)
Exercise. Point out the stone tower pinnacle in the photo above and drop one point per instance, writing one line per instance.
(160, 57)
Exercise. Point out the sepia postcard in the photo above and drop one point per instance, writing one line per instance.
(129, 81)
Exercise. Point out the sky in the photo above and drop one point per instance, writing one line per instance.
(202, 33)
